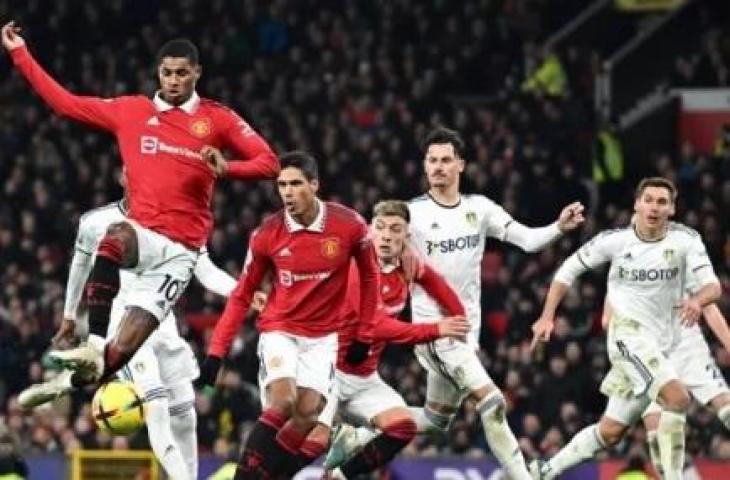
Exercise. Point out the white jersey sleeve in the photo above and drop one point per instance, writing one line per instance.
(212, 277)
(699, 265)
(599, 250)
(81, 264)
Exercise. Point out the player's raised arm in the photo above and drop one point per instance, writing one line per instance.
(534, 239)
(698, 263)
(367, 267)
(718, 324)
(102, 113)
(213, 278)
(255, 157)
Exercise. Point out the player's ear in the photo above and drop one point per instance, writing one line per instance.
(672, 209)
(462, 164)
(315, 184)
(197, 71)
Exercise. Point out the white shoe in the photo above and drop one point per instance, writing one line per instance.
(536, 470)
(41, 393)
(87, 359)
(344, 443)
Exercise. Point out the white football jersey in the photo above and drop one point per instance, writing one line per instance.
(689, 339)
(452, 239)
(647, 279)
(92, 228)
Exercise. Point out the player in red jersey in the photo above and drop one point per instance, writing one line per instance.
(361, 393)
(307, 247)
(170, 150)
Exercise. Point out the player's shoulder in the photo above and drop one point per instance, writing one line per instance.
(272, 222)
(477, 200)
(215, 106)
(613, 234)
(682, 230)
(342, 212)
(102, 215)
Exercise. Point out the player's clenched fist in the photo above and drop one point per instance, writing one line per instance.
(571, 217)
(11, 39)
(215, 159)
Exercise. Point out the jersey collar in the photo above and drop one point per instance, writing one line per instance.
(316, 226)
(442, 205)
(190, 106)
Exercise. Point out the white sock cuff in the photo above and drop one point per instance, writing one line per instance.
(597, 434)
(439, 420)
(490, 403)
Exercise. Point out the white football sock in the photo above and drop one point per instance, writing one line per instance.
(500, 438)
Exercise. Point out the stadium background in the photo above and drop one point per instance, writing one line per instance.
(557, 100)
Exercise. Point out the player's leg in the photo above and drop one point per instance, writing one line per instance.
(118, 249)
(619, 415)
(674, 399)
(184, 424)
(278, 354)
(385, 409)
(651, 422)
(315, 382)
(143, 371)
(318, 439)
(164, 269)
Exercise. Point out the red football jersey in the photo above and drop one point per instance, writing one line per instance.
(310, 268)
(169, 185)
(393, 295)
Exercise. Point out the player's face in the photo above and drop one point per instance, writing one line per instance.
(177, 79)
(654, 207)
(296, 191)
(390, 233)
(442, 165)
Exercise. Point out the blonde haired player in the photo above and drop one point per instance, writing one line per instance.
(650, 262)
(164, 367)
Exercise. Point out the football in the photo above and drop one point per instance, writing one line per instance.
(118, 408)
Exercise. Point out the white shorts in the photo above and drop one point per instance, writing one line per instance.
(638, 366)
(309, 361)
(360, 399)
(454, 371)
(164, 360)
(163, 272)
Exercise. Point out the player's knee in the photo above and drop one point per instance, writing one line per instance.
(675, 398)
(439, 418)
(305, 413)
(125, 237)
(283, 405)
(610, 431)
(401, 428)
(492, 408)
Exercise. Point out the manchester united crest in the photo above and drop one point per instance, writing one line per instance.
(200, 127)
(331, 247)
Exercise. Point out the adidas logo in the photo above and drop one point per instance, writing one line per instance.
(160, 304)
(284, 252)
(153, 121)
(628, 256)
(434, 226)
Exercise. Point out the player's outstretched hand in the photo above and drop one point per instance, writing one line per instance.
(209, 372)
(65, 337)
(10, 36)
(571, 217)
(215, 159)
(541, 331)
(357, 352)
(690, 311)
(455, 327)
(259, 301)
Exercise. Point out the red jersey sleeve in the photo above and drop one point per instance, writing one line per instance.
(257, 263)
(257, 160)
(389, 329)
(367, 266)
(101, 113)
(435, 285)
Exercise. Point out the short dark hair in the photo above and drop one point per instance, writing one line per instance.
(660, 182)
(302, 161)
(441, 135)
(179, 48)
(396, 208)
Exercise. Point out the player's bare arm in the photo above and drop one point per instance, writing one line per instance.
(543, 327)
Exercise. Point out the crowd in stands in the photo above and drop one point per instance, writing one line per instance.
(357, 83)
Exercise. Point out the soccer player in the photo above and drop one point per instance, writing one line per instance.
(697, 370)
(164, 367)
(650, 261)
(170, 148)
(308, 247)
(449, 230)
(360, 392)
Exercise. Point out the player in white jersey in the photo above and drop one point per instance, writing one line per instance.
(650, 262)
(164, 368)
(449, 229)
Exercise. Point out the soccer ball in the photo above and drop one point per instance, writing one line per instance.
(117, 408)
